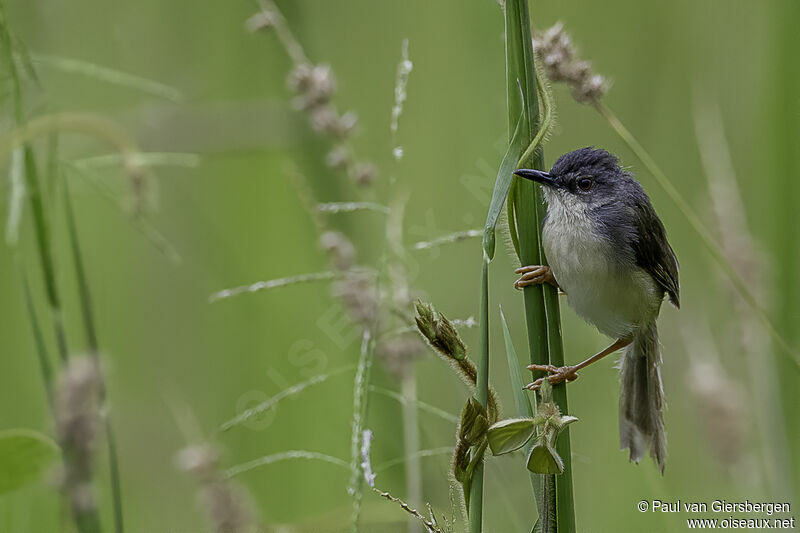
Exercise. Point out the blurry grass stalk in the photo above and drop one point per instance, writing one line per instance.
(740, 250)
(360, 396)
(94, 352)
(542, 314)
(32, 185)
(18, 140)
(108, 75)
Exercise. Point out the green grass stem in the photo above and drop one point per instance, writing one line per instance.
(542, 313)
(90, 329)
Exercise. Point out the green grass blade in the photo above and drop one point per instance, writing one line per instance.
(541, 303)
(501, 187)
(41, 348)
(523, 404)
(524, 409)
(80, 275)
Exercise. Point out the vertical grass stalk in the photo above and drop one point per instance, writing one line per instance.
(33, 190)
(541, 302)
(94, 352)
(482, 395)
(360, 402)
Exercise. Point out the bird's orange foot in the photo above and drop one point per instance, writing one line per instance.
(557, 374)
(534, 275)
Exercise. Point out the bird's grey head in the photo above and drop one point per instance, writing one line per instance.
(585, 180)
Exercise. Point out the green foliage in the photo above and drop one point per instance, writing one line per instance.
(511, 434)
(24, 455)
(501, 186)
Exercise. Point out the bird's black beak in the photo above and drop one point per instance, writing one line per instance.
(536, 175)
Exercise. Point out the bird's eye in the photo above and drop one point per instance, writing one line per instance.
(585, 184)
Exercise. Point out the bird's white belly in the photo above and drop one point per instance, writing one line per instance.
(616, 298)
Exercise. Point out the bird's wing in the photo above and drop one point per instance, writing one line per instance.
(654, 254)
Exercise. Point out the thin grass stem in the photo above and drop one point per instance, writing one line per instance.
(41, 348)
(108, 75)
(94, 349)
(422, 406)
(294, 390)
(360, 396)
(482, 395)
(289, 455)
(274, 284)
(448, 239)
(432, 452)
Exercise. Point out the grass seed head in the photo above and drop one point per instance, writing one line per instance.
(561, 62)
(77, 414)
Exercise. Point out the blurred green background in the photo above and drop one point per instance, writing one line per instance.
(237, 218)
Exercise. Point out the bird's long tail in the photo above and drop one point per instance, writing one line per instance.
(641, 400)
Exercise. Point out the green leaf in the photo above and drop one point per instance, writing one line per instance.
(510, 435)
(521, 400)
(502, 185)
(524, 409)
(24, 454)
(544, 460)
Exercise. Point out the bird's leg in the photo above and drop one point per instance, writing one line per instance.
(570, 373)
(535, 275)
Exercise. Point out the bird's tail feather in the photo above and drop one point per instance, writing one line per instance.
(641, 401)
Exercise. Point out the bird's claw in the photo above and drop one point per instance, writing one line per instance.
(534, 275)
(556, 375)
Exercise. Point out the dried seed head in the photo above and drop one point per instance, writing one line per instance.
(77, 406)
(313, 85)
(200, 460)
(345, 125)
(338, 158)
(364, 173)
(340, 248)
(77, 413)
(263, 20)
(559, 57)
(228, 506)
(356, 290)
(400, 352)
(323, 119)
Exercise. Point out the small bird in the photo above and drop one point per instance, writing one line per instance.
(608, 251)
